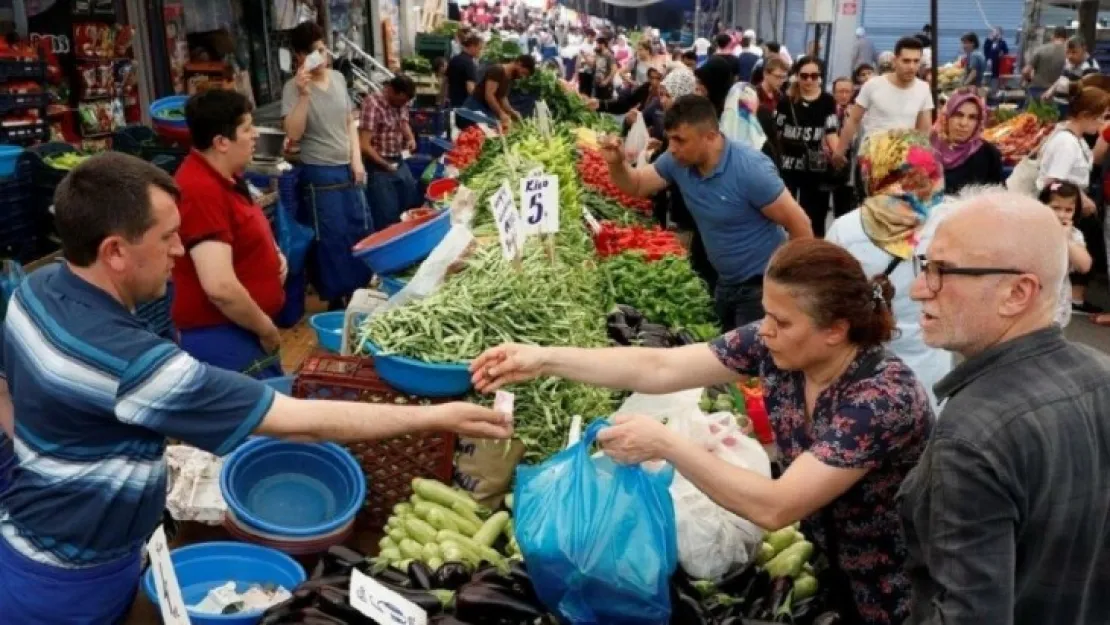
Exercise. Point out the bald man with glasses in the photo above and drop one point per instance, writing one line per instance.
(1006, 515)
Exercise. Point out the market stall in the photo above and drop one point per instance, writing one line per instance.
(530, 243)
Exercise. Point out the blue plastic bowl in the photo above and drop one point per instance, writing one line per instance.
(200, 568)
(173, 101)
(397, 253)
(9, 158)
(283, 385)
(420, 378)
(391, 286)
(292, 490)
(329, 329)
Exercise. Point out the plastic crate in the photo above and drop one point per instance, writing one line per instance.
(47, 178)
(38, 131)
(428, 121)
(130, 140)
(432, 46)
(19, 101)
(28, 70)
(390, 465)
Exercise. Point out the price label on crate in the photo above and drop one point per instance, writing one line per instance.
(539, 198)
(170, 602)
(381, 604)
(507, 219)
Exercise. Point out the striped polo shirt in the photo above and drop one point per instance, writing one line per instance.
(96, 394)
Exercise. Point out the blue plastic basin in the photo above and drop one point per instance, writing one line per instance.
(329, 329)
(200, 568)
(9, 158)
(173, 101)
(417, 377)
(292, 490)
(402, 245)
(391, 285)
(283, 385)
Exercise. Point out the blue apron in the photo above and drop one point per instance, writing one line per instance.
(335, 208)
(390, 193)
(233, 348)
(33, 594)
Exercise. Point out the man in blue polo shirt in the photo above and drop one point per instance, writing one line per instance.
(734, 193)
(95, 395)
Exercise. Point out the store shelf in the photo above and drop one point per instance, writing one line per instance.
(38, 131)
(22, 70)
(18, 101)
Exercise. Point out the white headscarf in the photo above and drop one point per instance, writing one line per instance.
(679, 81)
(738, 121)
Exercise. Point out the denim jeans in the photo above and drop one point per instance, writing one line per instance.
(390, 193)
(738, 305)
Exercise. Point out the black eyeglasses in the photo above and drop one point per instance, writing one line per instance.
(936, 270)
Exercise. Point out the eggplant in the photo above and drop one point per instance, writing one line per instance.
(451, 576)
(422, 598)
(335, 602)
(685, 610)
(493, 576)
(804, 611)
(321, 568)
(522, 581)
(334, 581)
(392, 576)
(277, 615)
(446, 619)
(420, 576)
(737, 581)
(758, 587)
(484, 602)
(780, 594)
(316, 616)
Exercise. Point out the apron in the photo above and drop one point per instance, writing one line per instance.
(335, 208)
(32, 593)
(390, 193)
(233, 348)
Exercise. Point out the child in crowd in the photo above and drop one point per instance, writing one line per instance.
(1064, 199)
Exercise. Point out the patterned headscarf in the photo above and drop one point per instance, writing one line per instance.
(739, 122)
(904, 181)
(679, 81)
(955, 154)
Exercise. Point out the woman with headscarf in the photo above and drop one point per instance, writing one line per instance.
(904, 182)
(714, 81)
(966, 158)
(743, 120)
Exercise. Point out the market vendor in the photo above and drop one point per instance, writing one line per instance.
(95, 396)
(319, 115)
(491, 96)
(229, 283)
(849, 420)
(384, 135)
(734, 194)
(462, 71)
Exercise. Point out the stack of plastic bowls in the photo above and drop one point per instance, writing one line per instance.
(201, 568)
(300, 498)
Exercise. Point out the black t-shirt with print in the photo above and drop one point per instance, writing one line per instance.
(802, 127)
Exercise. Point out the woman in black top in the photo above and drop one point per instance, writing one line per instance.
(807, 126)
(966, 158)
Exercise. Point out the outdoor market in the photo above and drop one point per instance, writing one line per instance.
(526, 312)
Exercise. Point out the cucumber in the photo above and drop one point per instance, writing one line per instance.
(491, 529)
(434, 564)
(398, 535)
(431, 490)
(467, 514)
(402, 509)
(437, 519)
(430, 551)
(420, 531)
(482, 551)
(412, 550)
(391, 555)
(386, 543)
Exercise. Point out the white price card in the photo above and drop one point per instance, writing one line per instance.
(507, 219)
(539, 199)
(381, 604)
(170, 601)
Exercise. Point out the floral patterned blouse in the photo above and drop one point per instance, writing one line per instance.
(879, 422)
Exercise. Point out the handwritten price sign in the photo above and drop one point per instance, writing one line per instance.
(507, 219)
(539, 197)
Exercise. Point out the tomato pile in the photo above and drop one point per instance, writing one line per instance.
(595, 173)
(467, 146)
(655, 242)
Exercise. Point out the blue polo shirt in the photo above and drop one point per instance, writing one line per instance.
(96, 394)
(727, 206)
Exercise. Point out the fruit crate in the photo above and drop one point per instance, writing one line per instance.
(390, 465)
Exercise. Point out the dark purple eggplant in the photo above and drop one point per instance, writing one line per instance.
(337, 603)
(277, 615)
(487, 602)
(451, 576)
(393, 576)
(493, 576)
(420, 576)
(757, 608)
(321, 568)
(522, 581)
(758, 587)
(780, 593)
(685, 610)
(736, 582)
(424, 599)
(315, 616)
(446, 619)
(803, 612)
(334, 581)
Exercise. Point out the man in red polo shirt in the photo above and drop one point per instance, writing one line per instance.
(229, 284)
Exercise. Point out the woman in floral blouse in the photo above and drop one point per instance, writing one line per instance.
(850, 420)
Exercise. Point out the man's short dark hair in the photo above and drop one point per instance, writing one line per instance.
(773, 47)
(1060, 32)
(971, 38)
(526, 61)
(602, 41)
(690, 54)
(471, 40)
(303, 38)
(693, 110)
(1077, 43)
(723, 41)
(402, 85)
(908, 43)
(108, 194)
(215, 113)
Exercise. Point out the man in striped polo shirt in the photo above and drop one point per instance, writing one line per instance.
(95, 395)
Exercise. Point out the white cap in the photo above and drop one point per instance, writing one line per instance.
(749, 34)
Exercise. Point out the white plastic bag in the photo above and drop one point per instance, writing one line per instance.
(711, 540)
(636, 141)
(434, 269)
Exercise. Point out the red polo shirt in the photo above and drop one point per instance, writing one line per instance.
(215, 208)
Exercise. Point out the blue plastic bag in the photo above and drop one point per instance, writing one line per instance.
(599, 538)
(293, 239)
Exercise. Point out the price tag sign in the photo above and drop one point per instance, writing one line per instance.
(381, 604)
(539, 198)
(170, 601)
(507, 219)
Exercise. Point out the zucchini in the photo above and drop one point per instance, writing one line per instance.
(482, 551)
(437, 519)
(386, 543)
(412, 550)
(430, 551)
(391, 555)
(431, 490)
(467, 514)
(420, 531)
(398, 535)
(491, 529)
(434, 564)
(402, 509)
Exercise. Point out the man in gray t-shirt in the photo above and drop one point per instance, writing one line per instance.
(326, 139)
(1047, 64)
